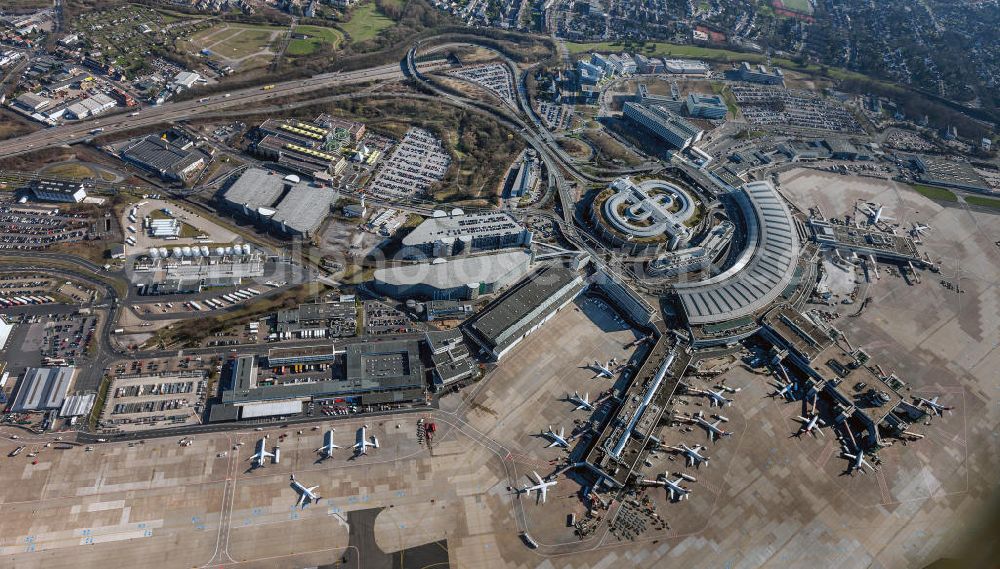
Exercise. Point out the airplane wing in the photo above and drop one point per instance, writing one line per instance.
(302, 499)
(545, 491)
(538, 479)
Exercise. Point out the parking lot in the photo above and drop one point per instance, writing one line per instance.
(416, 163)
(495, 77)
(380, 318)
(165, 399)
(791, 108)
(38, 227)
(63, 339)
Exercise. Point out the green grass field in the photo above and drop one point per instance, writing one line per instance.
(983, 202)
(800, 6)
(236, 41)
(317, 37)
(935, 193)
(366, 22)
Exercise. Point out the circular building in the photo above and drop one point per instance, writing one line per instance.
(645, 218)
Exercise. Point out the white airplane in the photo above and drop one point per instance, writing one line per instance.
(602, 370)
(540, 485)
(582, 403)
(813, 425)
(674, 488)
(858, 461)
(558, 439)
(327, 449)
(712, 429)
(919, 229)
(933, 406)
(361, 447)
(306, 495)
(693, 456)
(784, 390)
(875, 214)
(258, 457)
(715, 397)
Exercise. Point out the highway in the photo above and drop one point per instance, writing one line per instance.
(172, 112)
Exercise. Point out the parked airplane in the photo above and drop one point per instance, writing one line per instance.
(813, 425)
(858, 461)
(602, 370)
(784, 390)
(874, 211)
(540, 485)
(712, 429)
(693, 456)
(674, 488)
(919, 229)
(327, 449)
(582, 403)
(715, 397)
(933, 406)
(306, 495)
(361, 446)
(558, 439)
(261, 454)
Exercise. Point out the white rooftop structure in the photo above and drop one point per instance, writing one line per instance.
(43, 388)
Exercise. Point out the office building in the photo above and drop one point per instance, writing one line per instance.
(666, 125)
(706, 106)
(461, 278)
(760, 74)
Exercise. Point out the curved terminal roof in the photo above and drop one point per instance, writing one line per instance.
(763, 269)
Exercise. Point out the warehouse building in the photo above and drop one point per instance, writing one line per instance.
(91, 106)
(43, 388)
(58, 191)
(452, 361)
(523, 309)
(191, 268)
(170, 160)
(285, 204)
(458, 233)
(462, 278)
(665, 124)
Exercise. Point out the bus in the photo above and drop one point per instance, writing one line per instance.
(195, 305)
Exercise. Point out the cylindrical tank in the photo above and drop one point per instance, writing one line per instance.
(204, 250)
(154, 253)
(186, 251)
(220, 251)
(163, 252)
(247, 249)
(178, 252)
(229, 250)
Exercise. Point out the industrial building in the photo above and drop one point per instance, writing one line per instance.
(452, 360)
(316, 320)
(525, 176)
(462, 278)
(191, 268)
(43, 388)
(704, 106)
(91, 106)
(665, 124)
(58, 191)
(77, 405)
(286, 204)
(374, 373)
(523, 309)
(306, 147)
(175, 159)
(458, 233)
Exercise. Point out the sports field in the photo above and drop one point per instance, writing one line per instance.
(241, 46)
(800, 6)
